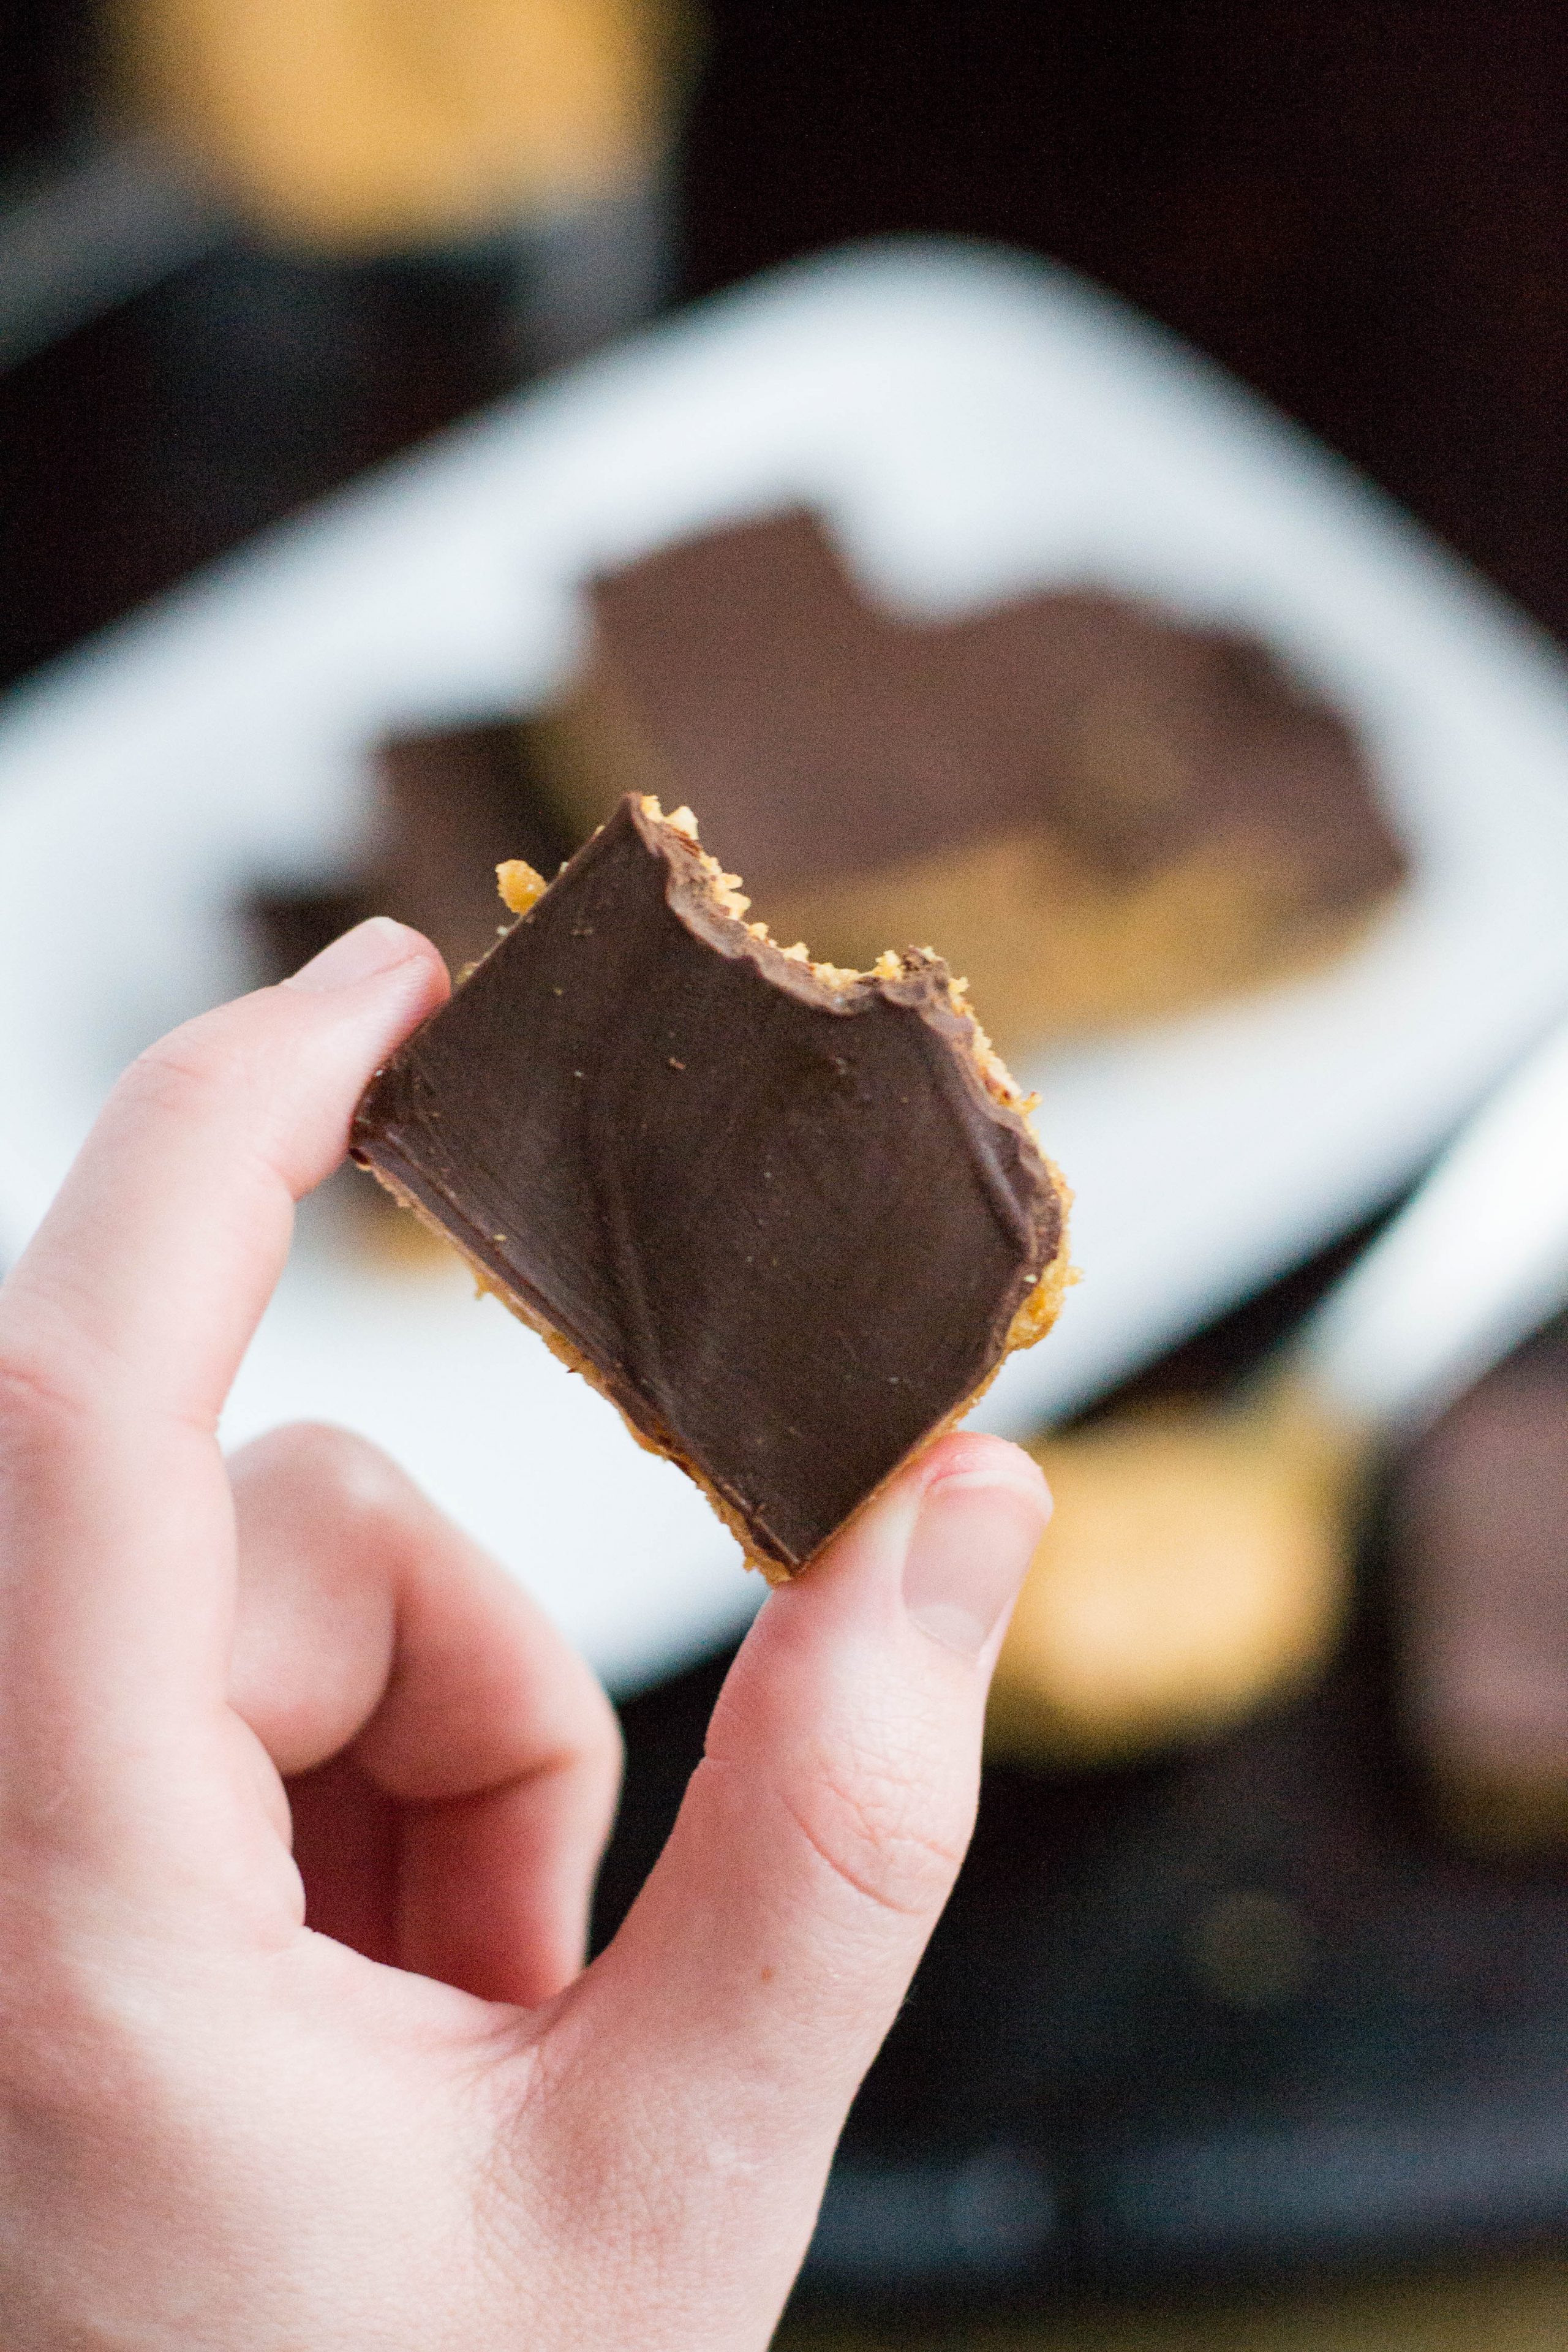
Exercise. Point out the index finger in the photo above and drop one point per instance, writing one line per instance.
(145, 1282)
(120, 1328)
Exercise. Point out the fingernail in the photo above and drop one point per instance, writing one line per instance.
(969, 1552)
(370, 947)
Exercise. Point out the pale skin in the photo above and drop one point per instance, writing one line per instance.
(301, 1801)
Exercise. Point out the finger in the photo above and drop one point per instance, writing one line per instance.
(120, 1330)
(459, 1831)
(141, 1288)
(766, 1957)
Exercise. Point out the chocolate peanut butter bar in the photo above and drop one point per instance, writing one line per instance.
(1103, 811)
(789, 1218)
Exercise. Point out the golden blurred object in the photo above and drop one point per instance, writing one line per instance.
(1197, 1564)
(372, 123)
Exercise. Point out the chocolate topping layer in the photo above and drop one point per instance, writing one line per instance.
(778, 1214)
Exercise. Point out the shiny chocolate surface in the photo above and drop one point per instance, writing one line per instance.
(784, 1222)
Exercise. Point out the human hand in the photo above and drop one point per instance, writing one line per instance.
(414, 2120)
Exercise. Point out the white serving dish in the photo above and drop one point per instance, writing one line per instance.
(974, 426)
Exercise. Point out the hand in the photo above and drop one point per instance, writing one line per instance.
(414, 2120)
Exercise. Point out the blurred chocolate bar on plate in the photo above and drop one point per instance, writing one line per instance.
(450, 805)
(1095, 813)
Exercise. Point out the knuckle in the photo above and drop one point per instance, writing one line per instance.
(39, 1410)
(336, 1506)
(183, 1075)
(883, 1825)
(336, 1467)
(203, 1074)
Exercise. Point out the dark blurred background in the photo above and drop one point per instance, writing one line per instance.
(1360, 211)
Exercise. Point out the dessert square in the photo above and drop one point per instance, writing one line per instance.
(788, 1218)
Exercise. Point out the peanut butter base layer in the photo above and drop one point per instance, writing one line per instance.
(789, 1219)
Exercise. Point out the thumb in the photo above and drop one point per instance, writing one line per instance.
(751, 1984)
